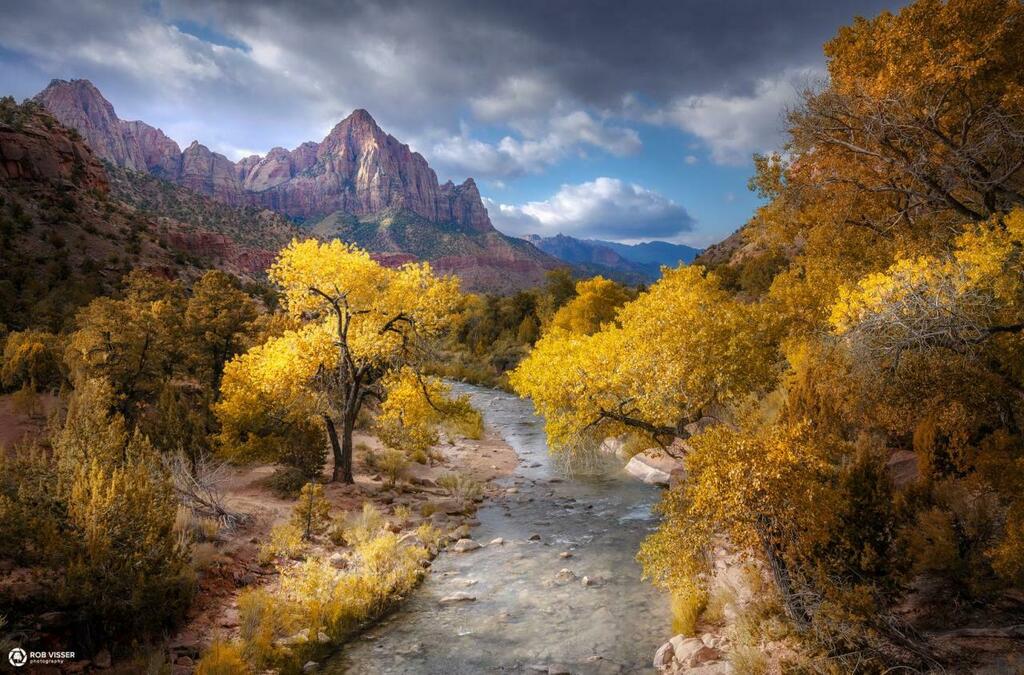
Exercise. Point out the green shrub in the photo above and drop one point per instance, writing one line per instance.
(393, 464)
(287, 481)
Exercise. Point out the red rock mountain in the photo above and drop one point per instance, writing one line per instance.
(358, 174)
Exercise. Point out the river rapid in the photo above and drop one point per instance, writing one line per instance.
(527, 617)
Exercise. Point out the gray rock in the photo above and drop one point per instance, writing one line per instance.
(664, 656)
(457, 597)
(465, 545)
(640, 469)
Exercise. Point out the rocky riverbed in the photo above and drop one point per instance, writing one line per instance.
(547, 583)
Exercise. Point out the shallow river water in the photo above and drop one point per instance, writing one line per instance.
(525, 619)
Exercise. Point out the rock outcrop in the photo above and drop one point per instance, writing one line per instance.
(357, 175)
(37, 149)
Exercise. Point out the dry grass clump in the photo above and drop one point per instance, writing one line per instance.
(285, 542)
(317, 606)
(687, 606)
(460, 486)
(222, 658)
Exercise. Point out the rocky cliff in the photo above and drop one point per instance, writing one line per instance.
(357, 171)
(33, 147)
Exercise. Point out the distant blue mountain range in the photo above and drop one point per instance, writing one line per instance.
(628, 263)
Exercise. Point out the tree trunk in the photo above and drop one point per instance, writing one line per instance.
(783, 582)
(332, 433)
(346, 450)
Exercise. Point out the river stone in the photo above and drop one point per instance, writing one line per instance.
(565, 575)
(457, 597)
(640, 468)
(534, 537)
(497, 541)
(565, 554)
(465, 545)
(663, 657)
(692, 652)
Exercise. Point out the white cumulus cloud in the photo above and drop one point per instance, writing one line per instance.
(736, 126)
(606, 208)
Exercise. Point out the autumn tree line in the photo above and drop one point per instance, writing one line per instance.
(882, 318)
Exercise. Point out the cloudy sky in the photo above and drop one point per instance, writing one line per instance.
(621, 120)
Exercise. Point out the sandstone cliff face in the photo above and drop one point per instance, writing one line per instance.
(161, 156)
(133, 145)
(210, 173)
(38, 152)
(361, 170)
(358, 171)
(357, 168)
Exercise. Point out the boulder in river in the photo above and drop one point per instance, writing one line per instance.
(465, 546)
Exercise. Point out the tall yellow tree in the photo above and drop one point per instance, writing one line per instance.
(674, 355)
(358, 322)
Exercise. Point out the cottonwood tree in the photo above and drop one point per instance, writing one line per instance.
(596, 302)
(677, 352)
(921, 117)
(358, 322)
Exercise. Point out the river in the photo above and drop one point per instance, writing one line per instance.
(526, 619)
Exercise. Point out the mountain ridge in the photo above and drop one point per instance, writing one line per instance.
(357, 170)
(627, 263)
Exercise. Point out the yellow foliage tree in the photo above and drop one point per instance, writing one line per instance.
(415, 407)
(359, 321)
(679, 350)
(595, 304)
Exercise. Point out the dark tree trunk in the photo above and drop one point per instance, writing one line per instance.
(346, 450)
(332, 433)
(795, 609)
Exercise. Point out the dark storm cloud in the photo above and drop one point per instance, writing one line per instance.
(559, 75)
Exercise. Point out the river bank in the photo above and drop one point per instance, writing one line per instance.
(554, 587)
(231, 564)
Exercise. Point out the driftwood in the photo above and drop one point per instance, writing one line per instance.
(199, 487)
